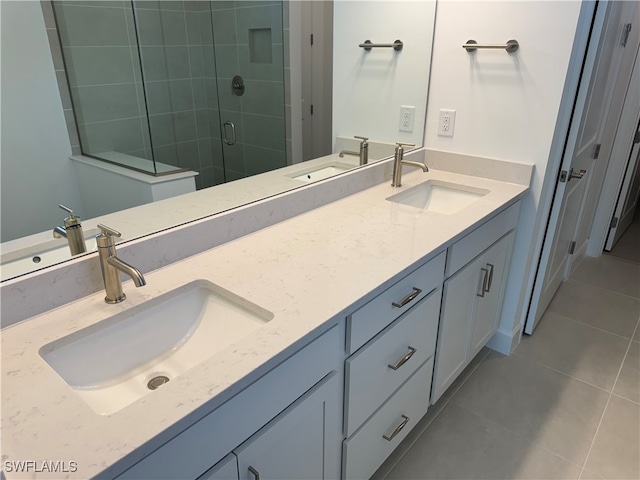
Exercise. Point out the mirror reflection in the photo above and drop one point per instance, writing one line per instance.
(223, 99)
(162, 86)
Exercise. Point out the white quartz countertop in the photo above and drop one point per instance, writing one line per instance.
(307, 271)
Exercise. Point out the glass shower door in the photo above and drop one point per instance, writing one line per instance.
(175, 42)
(192, 54)
(162, 85)
(249, 54)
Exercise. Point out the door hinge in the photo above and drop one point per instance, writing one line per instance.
(311, 109)
(572, 247)
(312, 39)
(596, 151)
(614, 222)
(625, 34)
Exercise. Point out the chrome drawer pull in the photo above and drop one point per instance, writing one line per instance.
(485, 277)
(404, 359)
(408, 298)
(490, 277)
(255, 473)
(398, 429)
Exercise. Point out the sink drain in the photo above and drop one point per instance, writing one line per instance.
(155, 382)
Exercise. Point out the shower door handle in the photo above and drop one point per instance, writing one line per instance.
(233, 133)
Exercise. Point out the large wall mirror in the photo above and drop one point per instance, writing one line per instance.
(232, 101)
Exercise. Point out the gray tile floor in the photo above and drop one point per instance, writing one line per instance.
(564, 405)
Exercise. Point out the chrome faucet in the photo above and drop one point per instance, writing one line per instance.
(72, 231)
(363, 154)
(112, 266)
(398, 162)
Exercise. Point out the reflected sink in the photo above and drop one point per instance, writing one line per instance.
(116, 361)
(320, 172)
(43, 254)
(438, 196)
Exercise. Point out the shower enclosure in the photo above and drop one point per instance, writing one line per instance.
(160, 86)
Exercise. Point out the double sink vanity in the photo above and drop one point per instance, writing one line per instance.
(306, 349)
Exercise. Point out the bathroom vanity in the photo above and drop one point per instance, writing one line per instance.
(371, 306)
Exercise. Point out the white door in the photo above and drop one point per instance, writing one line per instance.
(599, 78)
(317, 74)
(628, 198)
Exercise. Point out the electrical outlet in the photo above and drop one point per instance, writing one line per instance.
(407, 114)
(446, 122)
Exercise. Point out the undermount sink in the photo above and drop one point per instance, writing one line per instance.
(120, 359)
(320, 172)
(438, 196)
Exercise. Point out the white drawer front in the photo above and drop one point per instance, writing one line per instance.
(368, 448)
(367, 321)
(379, 368)
(476, 242)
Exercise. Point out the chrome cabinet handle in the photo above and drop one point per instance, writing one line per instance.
(483, 286)
(490, 277)
(254, 472)
(398, 429)
(233, 133)
(405, 358)
(408, 298)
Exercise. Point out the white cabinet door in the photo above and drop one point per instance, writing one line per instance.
(496, 262)
(458, 311)
(303, 442)
(471, 308)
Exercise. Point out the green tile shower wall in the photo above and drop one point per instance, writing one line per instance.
(98, 41)
(185, 94)
(179, 67)
(262, 105)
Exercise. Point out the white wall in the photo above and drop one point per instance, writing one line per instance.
(36, 173)
(506, 105)
(370, 87)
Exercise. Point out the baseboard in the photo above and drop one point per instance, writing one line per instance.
(505, 342)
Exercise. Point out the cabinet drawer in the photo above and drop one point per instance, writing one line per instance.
(363, 453)
(367, 321)
(469, 247)
(370, 378)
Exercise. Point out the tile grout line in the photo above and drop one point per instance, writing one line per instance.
(596, 328)
(625, 398)
(565, 374)
(539, 445)
(604, 411)
(531, 441)
(631, 341)
(605, 259)
(528, 440)
(579, 282)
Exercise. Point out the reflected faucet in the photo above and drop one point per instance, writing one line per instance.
(363, 154)
(111, 266)
(72, 231)
(398, 162)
